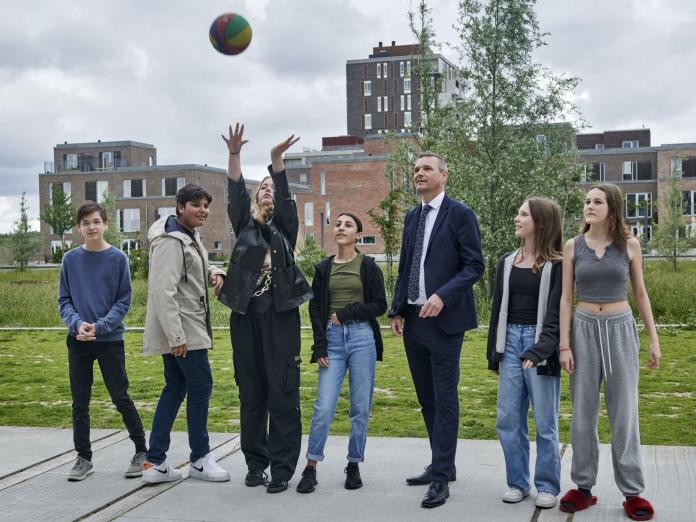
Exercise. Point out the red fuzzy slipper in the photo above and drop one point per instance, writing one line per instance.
(633, 505)
(575, 501)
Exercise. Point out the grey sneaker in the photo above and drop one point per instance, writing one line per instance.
(80, 470)
(136, 466)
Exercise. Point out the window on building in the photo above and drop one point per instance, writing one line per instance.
(65, 187)
(407, 119)
(385, 70)
(106, 160)
(631, 144)
(385, 103)
(56, 245)
(367, 240)
(367, 88)
(402, 69)
(322, 182)
(218, 245)
(593, 172)
(629, 170)
(379, 70)
(689, 167)
(368, 121)
(638, 205)
(407, 85)
(403, 102)
(165, 211)
(129, 219)
(134, 188)
(599, 146)
(641, 231)
(676, 168)
(327, 212)
(644, 169)
(91, 190)
(128, 245)
(408, 68)
(408, 102)
(70, 161)
(379, 104)
(303, 178)
(309, 214)
(689, 202)
(170, 186)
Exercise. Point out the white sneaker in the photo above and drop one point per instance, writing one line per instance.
(152, 474)
(206, 468)
(545, 500)
(514, 495)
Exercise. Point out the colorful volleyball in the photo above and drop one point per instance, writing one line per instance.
(230, 33)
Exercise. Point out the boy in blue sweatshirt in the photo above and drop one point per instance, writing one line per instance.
(93, 298)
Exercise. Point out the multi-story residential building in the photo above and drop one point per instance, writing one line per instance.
(383, 91)
(644, 172)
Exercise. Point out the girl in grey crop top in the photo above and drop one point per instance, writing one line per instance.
(600, 280)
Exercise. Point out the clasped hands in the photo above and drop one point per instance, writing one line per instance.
(87, 332)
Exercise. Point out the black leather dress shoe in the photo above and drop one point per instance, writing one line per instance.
(426, 478)
(437, 494)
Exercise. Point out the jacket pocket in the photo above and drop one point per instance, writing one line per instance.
(293, 376)
(190, 304)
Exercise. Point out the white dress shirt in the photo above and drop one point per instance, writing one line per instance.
(436, 203)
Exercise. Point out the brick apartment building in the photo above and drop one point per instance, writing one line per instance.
(382, 91)
(143, 190)
(642, 171)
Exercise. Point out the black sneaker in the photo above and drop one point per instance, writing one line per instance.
(353, 480)
(256, 478)
(277, 486)
(308, 481)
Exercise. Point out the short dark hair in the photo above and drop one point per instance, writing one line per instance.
(441, 163)
(89, 207)
(191, 192)
(355, 218)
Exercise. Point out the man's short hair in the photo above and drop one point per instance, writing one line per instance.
(191, 192)
(89, 207)
(441, 164)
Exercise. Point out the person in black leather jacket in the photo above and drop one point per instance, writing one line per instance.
(264, 288)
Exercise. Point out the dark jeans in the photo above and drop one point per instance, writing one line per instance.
(433, 358)
(111, 357)
(190, 375)
(266, 349)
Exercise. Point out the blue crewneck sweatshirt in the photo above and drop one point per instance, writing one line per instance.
(95, 287)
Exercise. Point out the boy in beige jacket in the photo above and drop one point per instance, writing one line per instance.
(177, 327)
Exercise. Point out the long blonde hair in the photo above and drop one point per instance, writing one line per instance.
(260, 213)
(548, 228)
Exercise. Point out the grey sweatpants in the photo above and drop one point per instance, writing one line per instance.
(605, 348)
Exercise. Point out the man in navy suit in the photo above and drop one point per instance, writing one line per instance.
(440, 261)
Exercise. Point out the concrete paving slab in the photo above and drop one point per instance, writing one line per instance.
(49, 496)
(24, 447)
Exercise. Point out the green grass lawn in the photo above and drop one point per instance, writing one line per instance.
(35, 391)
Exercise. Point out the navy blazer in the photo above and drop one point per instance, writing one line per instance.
(453, 263)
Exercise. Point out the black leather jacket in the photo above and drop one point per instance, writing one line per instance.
(289, 287)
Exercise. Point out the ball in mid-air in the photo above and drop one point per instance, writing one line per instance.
(230, 33)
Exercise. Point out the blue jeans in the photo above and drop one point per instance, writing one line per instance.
(190, 375)
(351, 347)
(517, 388)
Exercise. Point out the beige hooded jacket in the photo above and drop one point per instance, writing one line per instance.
(178, 311)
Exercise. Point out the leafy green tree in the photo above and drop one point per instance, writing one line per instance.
(669, 238)
(503, 142)
(311, 255)
(23, 242)
(112, 235)
(59, 214)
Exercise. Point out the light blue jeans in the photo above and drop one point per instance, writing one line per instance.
(351, 348)
(516, 389)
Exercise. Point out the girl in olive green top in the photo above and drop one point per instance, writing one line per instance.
(348, 298)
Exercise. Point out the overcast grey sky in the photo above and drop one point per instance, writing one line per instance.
(82, 70)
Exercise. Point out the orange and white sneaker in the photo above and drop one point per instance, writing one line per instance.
(155, 473)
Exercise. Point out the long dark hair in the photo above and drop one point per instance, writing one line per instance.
(615, 203)
(548, 227)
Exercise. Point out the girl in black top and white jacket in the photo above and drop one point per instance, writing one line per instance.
(523, 350)
(348, 298)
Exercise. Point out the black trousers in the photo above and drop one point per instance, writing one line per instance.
(111, 357)
(433, 358)
(266, 356)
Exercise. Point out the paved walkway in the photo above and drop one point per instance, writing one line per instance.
(35, 462)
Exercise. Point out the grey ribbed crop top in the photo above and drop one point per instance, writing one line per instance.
(600, 280)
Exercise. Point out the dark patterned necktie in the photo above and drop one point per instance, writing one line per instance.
(414, 273)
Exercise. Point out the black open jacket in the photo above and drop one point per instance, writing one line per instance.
(375, 304)
(290, 288)
(547, 346)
